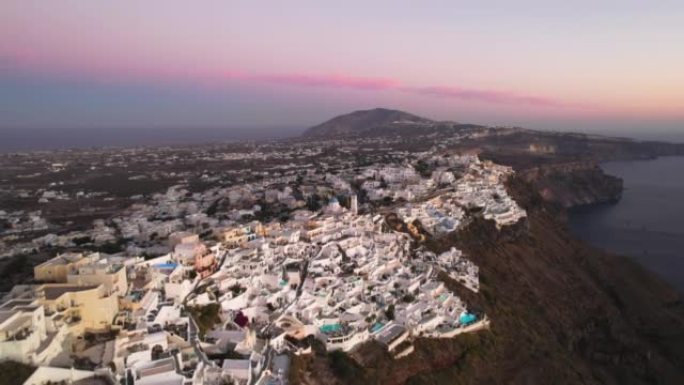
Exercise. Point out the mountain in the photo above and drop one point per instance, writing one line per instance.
(364, 122)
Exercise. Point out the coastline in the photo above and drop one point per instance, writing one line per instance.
(636, 226)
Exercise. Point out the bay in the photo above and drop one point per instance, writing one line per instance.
(647, 224)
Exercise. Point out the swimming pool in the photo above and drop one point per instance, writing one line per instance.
(165, 265)
(467, 318)
(332, 328)
(377, 326)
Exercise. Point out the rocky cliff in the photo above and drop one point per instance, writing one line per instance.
(574, 184)
(562, 313)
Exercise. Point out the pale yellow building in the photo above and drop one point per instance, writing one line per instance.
(236, 236)
(182, 237)
(102, 272)
(57, 268)
(81, 307)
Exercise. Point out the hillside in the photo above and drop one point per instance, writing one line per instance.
(562, 313)
(366, 121)
(514, 146)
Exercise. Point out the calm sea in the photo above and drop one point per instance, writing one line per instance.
(27, 139)
(648, 223)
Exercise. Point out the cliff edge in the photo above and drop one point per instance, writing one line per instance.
(561, 313)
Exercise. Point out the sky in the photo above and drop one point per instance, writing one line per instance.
(598, 66)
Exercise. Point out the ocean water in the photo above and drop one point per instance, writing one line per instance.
(28, 139)
(648, 222)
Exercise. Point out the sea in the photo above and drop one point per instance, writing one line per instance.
(647, 224)
(33, 139)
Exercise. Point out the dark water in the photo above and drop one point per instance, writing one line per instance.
(648, 223)
(27, 139)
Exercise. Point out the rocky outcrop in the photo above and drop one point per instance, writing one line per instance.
(574, 184)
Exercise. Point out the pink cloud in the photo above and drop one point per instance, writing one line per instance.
(369, 83)
(315, 80)
(489, 96)
(107, 72)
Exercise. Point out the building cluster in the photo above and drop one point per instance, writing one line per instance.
(480, 187)
(72, 188)
(198, 298)
(19, 221)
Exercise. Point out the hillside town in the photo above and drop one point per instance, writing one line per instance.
(225, 285)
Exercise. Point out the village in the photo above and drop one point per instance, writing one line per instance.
(224, 286)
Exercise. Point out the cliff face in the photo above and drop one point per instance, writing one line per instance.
(561, 312)
(574, 184)
(565, 313)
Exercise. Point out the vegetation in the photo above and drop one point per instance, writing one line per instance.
(206, 317)
(237, 289)
(213, 208)
(313, 203)
(107, 248)
(16, 269)
(408, 298)
(81, 240)
(389, 312)
(231, 354)
(14, 372)
(345, 367)
(423, 168)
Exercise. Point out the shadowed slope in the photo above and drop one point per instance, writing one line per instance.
(361, 122)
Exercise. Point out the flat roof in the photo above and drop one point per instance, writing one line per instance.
(54, 292)
(236, 364)
(63, 259)
(157, 367)
(18, 322)
(5, 315)
(27, 308)
(390, 333)
(15, 302)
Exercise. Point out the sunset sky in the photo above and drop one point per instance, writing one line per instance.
(583, 65)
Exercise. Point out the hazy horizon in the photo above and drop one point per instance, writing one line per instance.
(46, 138)
(36, 139)
(612, 68)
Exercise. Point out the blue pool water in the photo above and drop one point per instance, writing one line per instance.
(166, 265)
(467, 318)
(331, 328)
(377, 326)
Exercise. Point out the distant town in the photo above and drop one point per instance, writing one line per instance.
(225, 275)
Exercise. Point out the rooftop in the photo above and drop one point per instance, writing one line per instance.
(53, 292)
